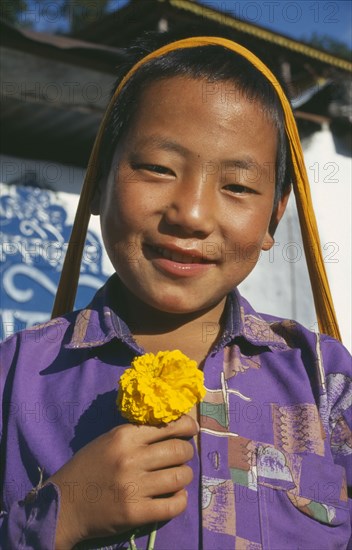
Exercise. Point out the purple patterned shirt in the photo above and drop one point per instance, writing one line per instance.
(275, 440)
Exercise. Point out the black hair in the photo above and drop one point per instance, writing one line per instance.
(212, 63)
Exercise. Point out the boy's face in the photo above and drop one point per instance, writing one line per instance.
(186, 213)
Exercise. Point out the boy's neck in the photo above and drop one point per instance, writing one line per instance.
(193, 333)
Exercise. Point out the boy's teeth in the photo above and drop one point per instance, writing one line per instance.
(178, 256)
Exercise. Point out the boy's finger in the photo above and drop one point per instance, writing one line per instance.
(167, 453)
(165, 508)
(167, 481)
(183, 427)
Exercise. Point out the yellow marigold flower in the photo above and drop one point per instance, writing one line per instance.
(160, 388)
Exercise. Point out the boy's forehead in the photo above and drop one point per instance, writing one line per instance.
(178, 104)
(190, 98)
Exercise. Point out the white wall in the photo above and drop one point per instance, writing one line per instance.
(280, 282)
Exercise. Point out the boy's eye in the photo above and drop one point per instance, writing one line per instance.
(238, 189)
(155, 168)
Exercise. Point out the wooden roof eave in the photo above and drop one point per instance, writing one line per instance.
(61, 48)
(260, 32)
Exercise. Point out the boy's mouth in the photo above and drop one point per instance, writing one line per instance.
(178, 263)
(182, 257)
(179, 255)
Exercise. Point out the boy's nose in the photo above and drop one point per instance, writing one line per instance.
(192, 207)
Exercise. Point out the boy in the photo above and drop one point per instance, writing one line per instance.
(192, 187)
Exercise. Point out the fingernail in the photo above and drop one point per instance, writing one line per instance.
(198, 427)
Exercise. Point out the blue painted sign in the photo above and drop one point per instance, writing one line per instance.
(34, 237)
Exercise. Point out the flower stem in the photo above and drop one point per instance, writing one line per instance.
(152, 537)
(132, 544)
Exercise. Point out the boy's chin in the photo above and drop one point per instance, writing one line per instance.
(182, 308)
(169, 301)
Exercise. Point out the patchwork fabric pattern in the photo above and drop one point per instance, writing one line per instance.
(340, 394)
(298, 428)
(292, 465)
(273, 468)
(244, 544)
(218, 505)
(313, 509)
(214, 411)
(259, 331)
(341, 438)
(235, 362)
(339, 407)
(242, 462)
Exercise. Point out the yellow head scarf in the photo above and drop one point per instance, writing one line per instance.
(66, 293)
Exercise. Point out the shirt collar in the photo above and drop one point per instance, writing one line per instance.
(98, 324)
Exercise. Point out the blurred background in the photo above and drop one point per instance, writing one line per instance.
(58, 61)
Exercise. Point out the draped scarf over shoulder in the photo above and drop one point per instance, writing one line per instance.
(326, 316)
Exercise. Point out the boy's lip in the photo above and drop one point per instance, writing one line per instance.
(181, 255)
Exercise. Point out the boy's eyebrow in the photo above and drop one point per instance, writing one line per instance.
(164, 143)
(245, 163)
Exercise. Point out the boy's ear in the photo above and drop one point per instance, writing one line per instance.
(276, 216)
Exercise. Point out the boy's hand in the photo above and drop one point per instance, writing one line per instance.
(110, 485)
